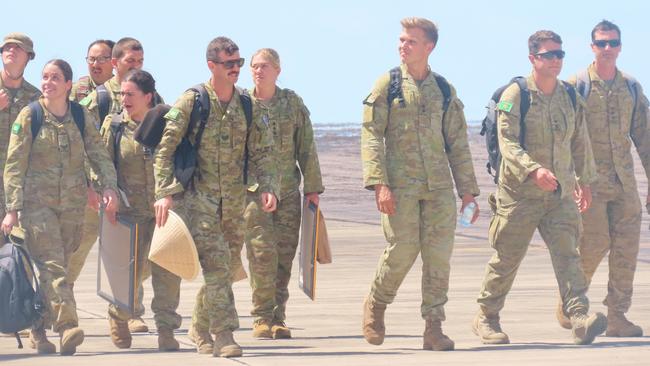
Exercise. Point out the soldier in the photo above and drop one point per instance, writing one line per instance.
(45, 180)
(15, 92)
(272, 239)
(127, 55)
(408, 146)
(617, 114)
(100, 69)
(218, 189)
(535, 191)
(134, 165)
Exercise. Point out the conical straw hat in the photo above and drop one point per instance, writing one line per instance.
(173, 248)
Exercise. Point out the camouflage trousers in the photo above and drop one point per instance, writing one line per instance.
(166, 285)
(52, 235)
(271, 241)
(80, 255)
(612, 224)
(512, 227)
(423, 223)
(214, 309)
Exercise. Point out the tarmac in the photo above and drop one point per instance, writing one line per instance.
(327, 331)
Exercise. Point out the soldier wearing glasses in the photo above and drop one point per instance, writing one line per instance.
(100, 69)
(536, 189)
(617, 116)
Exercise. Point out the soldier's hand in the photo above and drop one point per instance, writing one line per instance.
(161, 208)
(544, 179)
(4, 99)
(312, 197)
(111, 205)
(385, 199)
(585, 199)
(10, 220)
(269, 201)
(93, 199)
(467, 199)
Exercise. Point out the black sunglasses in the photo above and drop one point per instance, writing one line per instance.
(549, 55)
(613, 43)
(231, 63)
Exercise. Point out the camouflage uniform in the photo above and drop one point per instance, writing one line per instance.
(404, 148)
(24, 95)
(218, 190)
(556, 138)
(272, 238)
(44, 178)
(82, 88)
(135, 178)
(613, 223)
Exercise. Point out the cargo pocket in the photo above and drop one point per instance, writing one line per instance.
(496, 225)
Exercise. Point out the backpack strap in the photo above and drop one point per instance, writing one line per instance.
(583, 83)
(247, 106)
(36, 116)
(572, 93)
(117, 128)
(631, 85)
(445, 89)
(103, 102)
(524, 106)
(78, 116)
(395, 87)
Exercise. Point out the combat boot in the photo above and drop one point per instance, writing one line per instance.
(262, 329)
(137, 325)
(373, 322)
(585, 328)
(564, 320)
(487, 327)
(120, 334)
(280, 330)
(225, 345)
(201, 339)
(619, 326)
(434, 339)
(39, 342)
(166, 340)
(70, 338)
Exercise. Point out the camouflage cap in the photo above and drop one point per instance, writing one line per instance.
(22, 40)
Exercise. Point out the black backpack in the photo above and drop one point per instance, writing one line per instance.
(489, 124)
(37, 117)
(21, 304)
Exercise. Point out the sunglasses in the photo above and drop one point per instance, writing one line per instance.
(549, 55)
(231, 63)
(602, 43)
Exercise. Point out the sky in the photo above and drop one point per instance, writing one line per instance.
(331, 51)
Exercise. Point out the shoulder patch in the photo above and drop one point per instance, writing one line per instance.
(86, 101)
(15, 128)
(504, 106)
(173, 114)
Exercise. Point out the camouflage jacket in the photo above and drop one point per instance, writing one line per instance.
(556, 138)
(48, 170)
(612, 131)
(412, 146)
(293, 136)
(82, 88)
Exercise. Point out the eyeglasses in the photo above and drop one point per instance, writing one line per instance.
(100, 59)
(231, 63)
(549, 55)
(602, 43)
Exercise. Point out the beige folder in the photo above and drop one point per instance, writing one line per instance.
(314, 247)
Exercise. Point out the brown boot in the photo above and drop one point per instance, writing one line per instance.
(39, 342)
(262, 329)
(120, 334)
(225, 345)
(564, 320)
(585, 328)
(70, 338)
(137, 325)
(202, 339)
(488, 328)
(373, 322)
(434, 339)
(619, 326)
(166, 340)
(280, 330)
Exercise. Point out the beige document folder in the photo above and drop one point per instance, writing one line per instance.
(314, 247)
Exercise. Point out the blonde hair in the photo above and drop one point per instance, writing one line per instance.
(269, 54)
(429, 28)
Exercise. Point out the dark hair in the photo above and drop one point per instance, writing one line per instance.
(124, 44)
(603, 26)
(537, 38)
(144, 81)
(106, 42)
(220, 44)
(63, 66)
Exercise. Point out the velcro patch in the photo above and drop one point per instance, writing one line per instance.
(15, 128)
(86, 101)
(173, 114)
(504, 106)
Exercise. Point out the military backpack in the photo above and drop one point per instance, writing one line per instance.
(36, 111)
(489, 124)
(583, 86)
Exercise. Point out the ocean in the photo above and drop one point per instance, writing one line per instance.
(347, 129)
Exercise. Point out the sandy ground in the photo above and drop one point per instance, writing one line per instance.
(327, 331)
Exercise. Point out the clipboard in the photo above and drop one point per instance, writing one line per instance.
(313, 238)
(117, 262)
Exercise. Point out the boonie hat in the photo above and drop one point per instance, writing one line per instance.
(22, 40)
(173, 248)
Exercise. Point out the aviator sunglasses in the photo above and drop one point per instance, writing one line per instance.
(613, 43)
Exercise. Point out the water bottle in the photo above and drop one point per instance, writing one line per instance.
(468, 214)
